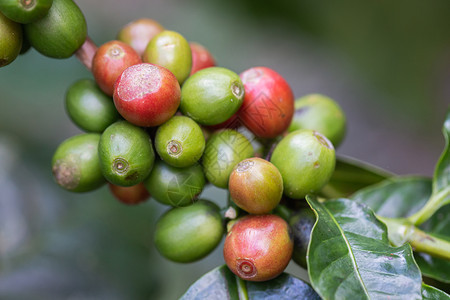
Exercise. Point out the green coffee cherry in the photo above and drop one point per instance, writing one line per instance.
(10, 40)
(75, 164)
(320, 113)
(89, 108)
(212, 95)
(126, 154)
(25, 11)
(223, 151)
(170, 50)
(180, 142)
(256, 185)
(175, 186)
(306, 160)
(61, 32)
(187, 234)
(301, 224)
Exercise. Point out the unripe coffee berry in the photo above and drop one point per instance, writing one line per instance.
(126, 154)
(180, 142)
(10, 40)
(320, 113)
(256, 185)
(25, 11)
(170, 50)
(187, 234)
(61, 32)
(212, 95)
(306, 160)
(147, 95)
(76, 165)
(258, 247)
(88, 107)
(223, 151)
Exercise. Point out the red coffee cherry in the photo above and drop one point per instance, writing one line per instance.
(258, 247)
(201, 57)
(130, 194)
(268, 104)
(110, 60)
(147, 95)
(138, 33)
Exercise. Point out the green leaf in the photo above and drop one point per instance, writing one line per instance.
(221, 283)
(351, 175)
(397, 197)
(439, 226)
(349, 255)
(401, 197)
(441, 178)
(432, 293)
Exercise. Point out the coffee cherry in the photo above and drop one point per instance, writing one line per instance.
(88, 107)
(175, 186)
(76, 165)
(130, 195)
(170, 50)
(256, 185)
(306, 160)
(258, 247)
(138, 33)
(61, 32)
(147, 95)
(10, 40)
(180, 142)
(25, 11)
(187, 234)
(301, 224)
(268, 105)
(126, 154)
(201, 58)
(223, 151)
(212, 95)
(320, 113)
(110, 60)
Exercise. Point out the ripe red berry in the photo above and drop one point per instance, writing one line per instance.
(258, 247)
(110, 60)
(147, 95)
(201, 57)
(268, 104)
(130, 194)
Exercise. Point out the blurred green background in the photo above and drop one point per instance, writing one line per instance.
(386, 63)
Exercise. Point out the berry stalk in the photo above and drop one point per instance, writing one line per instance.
(86, 53)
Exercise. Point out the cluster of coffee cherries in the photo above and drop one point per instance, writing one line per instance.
(161, 119)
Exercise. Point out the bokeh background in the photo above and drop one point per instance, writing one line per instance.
(386, 63)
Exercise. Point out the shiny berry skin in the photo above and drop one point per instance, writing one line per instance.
(320, 113)
(256, 185)
(138, 33)
(306, 161)
(212, 95)
(268, 104)
(147, 95)
(130, 195)
(258, 247)
(110, 60)
(201, 57)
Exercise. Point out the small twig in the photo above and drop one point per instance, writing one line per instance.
(86, 53)
(271, 149)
